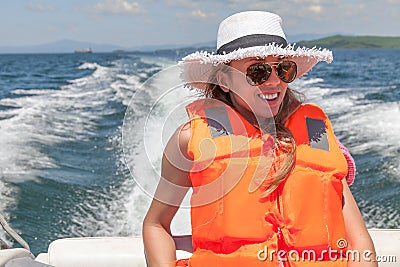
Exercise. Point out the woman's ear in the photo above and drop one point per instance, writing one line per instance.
(223, 81)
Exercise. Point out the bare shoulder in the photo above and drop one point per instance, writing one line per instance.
(184, 135)
(176, 163)
(179, 141)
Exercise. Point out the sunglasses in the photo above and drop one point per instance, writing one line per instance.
(259, 73)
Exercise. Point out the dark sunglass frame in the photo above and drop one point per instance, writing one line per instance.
(258, 73)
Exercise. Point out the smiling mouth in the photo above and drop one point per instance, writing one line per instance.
(268, 97)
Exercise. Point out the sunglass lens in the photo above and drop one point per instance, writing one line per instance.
(287, 71)
(258, 73)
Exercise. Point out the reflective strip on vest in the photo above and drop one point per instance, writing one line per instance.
(317, 134)
(218, 121)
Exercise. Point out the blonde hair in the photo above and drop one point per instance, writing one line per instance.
(285, 146)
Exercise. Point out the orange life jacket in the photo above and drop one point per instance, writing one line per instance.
(231, 224)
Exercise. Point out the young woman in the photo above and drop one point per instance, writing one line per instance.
(268, 175)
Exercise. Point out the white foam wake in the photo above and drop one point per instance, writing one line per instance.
(145, 135)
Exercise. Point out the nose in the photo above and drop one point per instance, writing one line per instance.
(273, 79)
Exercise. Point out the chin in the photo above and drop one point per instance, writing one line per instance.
(274, 111)
(266, 115)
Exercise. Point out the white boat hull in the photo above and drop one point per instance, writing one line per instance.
(129, 251)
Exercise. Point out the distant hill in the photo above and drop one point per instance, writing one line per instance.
(335, 41)
(152, 48)
(341, 41)
(61, 46)
(69, 46)
(295, 38)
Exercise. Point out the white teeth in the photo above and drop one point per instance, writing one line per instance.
(268, 96)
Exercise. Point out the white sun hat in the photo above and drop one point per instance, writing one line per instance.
(249, 34)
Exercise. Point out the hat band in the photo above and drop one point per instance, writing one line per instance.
(250, 41)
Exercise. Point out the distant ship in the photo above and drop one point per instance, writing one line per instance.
(84, 50)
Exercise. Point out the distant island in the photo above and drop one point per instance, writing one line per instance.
(333, 41)
(340, 41)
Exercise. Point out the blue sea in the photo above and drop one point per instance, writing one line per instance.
(81, 136)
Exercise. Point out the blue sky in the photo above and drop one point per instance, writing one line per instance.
(156, 22)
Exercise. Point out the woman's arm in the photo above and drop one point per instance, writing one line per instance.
(172, 188)
(357, 235)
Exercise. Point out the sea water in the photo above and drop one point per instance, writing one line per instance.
(81, 136)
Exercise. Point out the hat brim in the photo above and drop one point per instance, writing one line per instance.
(198, 66)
